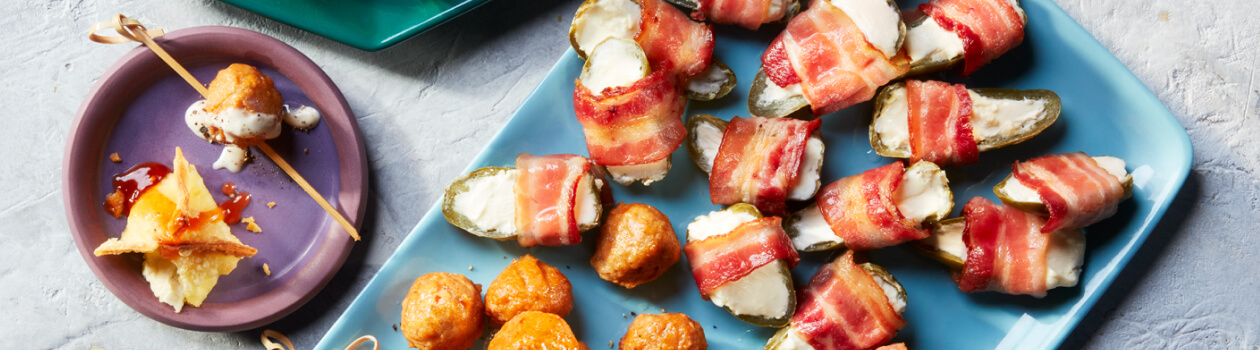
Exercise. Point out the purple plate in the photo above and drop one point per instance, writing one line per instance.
(137, 110)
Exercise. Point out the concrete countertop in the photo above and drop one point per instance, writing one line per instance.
(1192, 285)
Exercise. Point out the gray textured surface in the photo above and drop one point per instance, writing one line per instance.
(1193, 285)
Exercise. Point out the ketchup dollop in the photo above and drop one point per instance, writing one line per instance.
(129, 185)
(236, 203)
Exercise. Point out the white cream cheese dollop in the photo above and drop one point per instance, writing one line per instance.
(928, 42)
(992, 118)
(615, 62)
(923, 192)
(239, 128)
(878, 21)
(774, 93)
(490, 202)
(709, 81)
(607, 19)
(893, 124)
(646, 173)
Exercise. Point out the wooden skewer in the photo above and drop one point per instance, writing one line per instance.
(130, 30)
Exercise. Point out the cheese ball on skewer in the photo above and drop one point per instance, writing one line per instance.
(243, 108)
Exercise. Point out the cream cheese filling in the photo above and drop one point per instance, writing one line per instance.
(606, 19)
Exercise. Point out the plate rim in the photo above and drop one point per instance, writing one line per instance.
(80, 158)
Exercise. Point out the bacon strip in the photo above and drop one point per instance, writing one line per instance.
(861, 210)
(988, 28)
(777, 66)
(940, 123)
(744, 13)
(758, 161)
(718, 260)
(673, 42)
(844, 308)
(1075, 190)
(630, 125)
(546, 192)
(830, 55)
(1005, 251)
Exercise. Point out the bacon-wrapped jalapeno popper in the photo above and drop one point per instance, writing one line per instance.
(671, 41)
(831, 56)
(880, 207)
(760, 161)
(632, 119)
(948, 124)
(749, 14)
(999, 248)
(741, 262)
(1073, 189)
(943, 33)
(845, 306)
(546, 200)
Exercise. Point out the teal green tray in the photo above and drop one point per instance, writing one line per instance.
(365, 24)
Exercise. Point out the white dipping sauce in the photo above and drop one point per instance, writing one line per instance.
(239, 128)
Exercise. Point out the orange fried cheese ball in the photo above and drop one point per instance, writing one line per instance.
(528, 285)
(533, 330)
(664, 332)
(245, 87)
(442, 311)
(636, 245)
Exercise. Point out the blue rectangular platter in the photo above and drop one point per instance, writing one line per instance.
(1106, 111)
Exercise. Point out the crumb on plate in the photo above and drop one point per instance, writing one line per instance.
(266, 269)
(271, 204)
(113, 157)
(251, 225)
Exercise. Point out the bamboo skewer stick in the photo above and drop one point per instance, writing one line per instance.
(130, 30)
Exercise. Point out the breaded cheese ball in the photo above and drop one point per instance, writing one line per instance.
(533, 330)
(636, 245)
(664, 332)
(528, 285)
(442, 311)
(243, 86)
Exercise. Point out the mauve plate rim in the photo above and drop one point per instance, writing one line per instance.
(81, 157)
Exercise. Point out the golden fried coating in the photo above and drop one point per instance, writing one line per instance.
(664, 332)
(243, 86)
(533, 330)
(528, 285)
(442, 311)
(636, 245)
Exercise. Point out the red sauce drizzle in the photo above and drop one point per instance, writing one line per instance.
(235, 204)
(133, 182)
